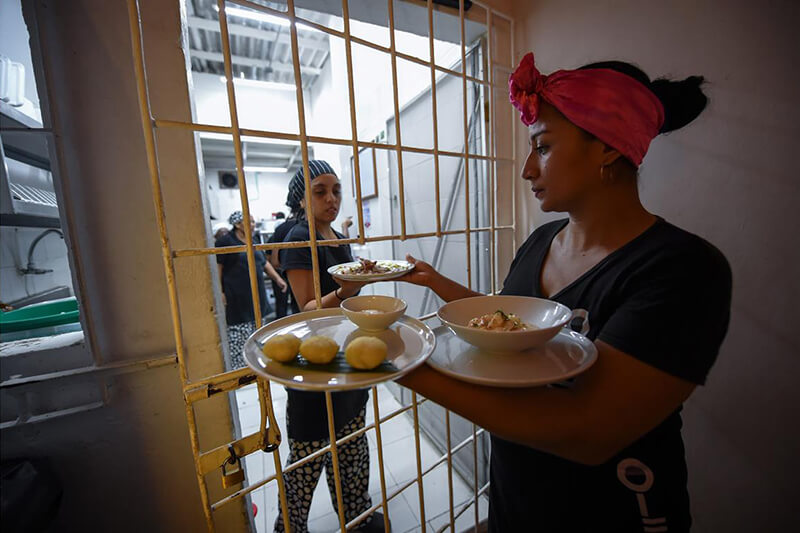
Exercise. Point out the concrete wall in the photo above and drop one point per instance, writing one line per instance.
(127, 466)
(730, 177)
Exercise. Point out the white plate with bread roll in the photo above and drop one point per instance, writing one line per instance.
(324, 351)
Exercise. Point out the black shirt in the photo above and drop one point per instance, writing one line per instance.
(663, 298)
(280, 234)
(306, 412)
(236, 282)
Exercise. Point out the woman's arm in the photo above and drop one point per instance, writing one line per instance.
(302, 283)
(274, 276)
(425, 275)
(274, 259)
(608, 407)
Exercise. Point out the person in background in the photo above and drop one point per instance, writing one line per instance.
(306, 412)
(235, 280)
(283, 297)
(604, 452)
(346, 224)
(220, 232)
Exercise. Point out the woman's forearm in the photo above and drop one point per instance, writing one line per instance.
(508, 413)
(332, 299)
(449, 290)
(272, 273)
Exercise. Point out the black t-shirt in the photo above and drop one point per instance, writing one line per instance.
(280, 234)
(663, 298)
(306, 411)
(236, 282)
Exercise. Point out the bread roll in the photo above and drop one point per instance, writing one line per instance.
(282, 348)
(319, 349)
(366, 353)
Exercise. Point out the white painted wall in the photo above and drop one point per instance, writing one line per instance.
(257, 107)
(266, 192)
(730, 177)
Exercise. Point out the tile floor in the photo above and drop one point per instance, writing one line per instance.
(399, 459)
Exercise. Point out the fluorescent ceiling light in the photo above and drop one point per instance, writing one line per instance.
(265, 169)
(263, 84)
(260, 16)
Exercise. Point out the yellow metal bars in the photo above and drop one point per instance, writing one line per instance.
(434, 121)
(337, 478)
(492, 148)
(262, 387)
(301, 118)
(237, 150)
(381, 471)
(401, 187)
(330, 31)
(265, 436)
(206, 387)
(348, 49)
(420, 484)
(169, 268)
(211, 128)
(449, 456)
(466, 140)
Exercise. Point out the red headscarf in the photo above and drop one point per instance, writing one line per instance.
(610, 105)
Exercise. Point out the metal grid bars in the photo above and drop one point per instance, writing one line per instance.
(195, 390)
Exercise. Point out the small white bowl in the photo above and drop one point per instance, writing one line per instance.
(545, 316)
(373, 313)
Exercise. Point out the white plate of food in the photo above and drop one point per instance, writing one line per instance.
(409, 343)
(367, 270)
(565, 356)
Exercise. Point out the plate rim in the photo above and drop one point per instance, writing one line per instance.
(592, 358)
(329, 312)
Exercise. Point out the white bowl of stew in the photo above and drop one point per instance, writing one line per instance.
(509, 323)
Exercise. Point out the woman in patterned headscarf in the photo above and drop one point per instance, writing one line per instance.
(235, 280)
(306, 420)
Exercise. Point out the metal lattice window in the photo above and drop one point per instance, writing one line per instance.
(483, 165)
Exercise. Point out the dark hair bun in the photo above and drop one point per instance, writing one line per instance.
(683, 100)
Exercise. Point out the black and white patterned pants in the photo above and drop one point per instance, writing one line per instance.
(353, 469)
(237, 335)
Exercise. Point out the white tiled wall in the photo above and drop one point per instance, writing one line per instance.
(50, 253)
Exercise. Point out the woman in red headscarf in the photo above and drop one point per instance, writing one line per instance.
(604, 452)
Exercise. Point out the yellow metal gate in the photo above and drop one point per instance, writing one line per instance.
(500, 166)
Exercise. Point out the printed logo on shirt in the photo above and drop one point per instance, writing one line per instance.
(580, 321)
(636, 476)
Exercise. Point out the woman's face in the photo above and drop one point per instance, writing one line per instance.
(563, 166)
(326, 197)
(240, 225)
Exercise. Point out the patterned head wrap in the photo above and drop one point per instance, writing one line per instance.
(235, 218)
(297, 186)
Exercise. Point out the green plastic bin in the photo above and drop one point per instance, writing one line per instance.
(40, 320)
